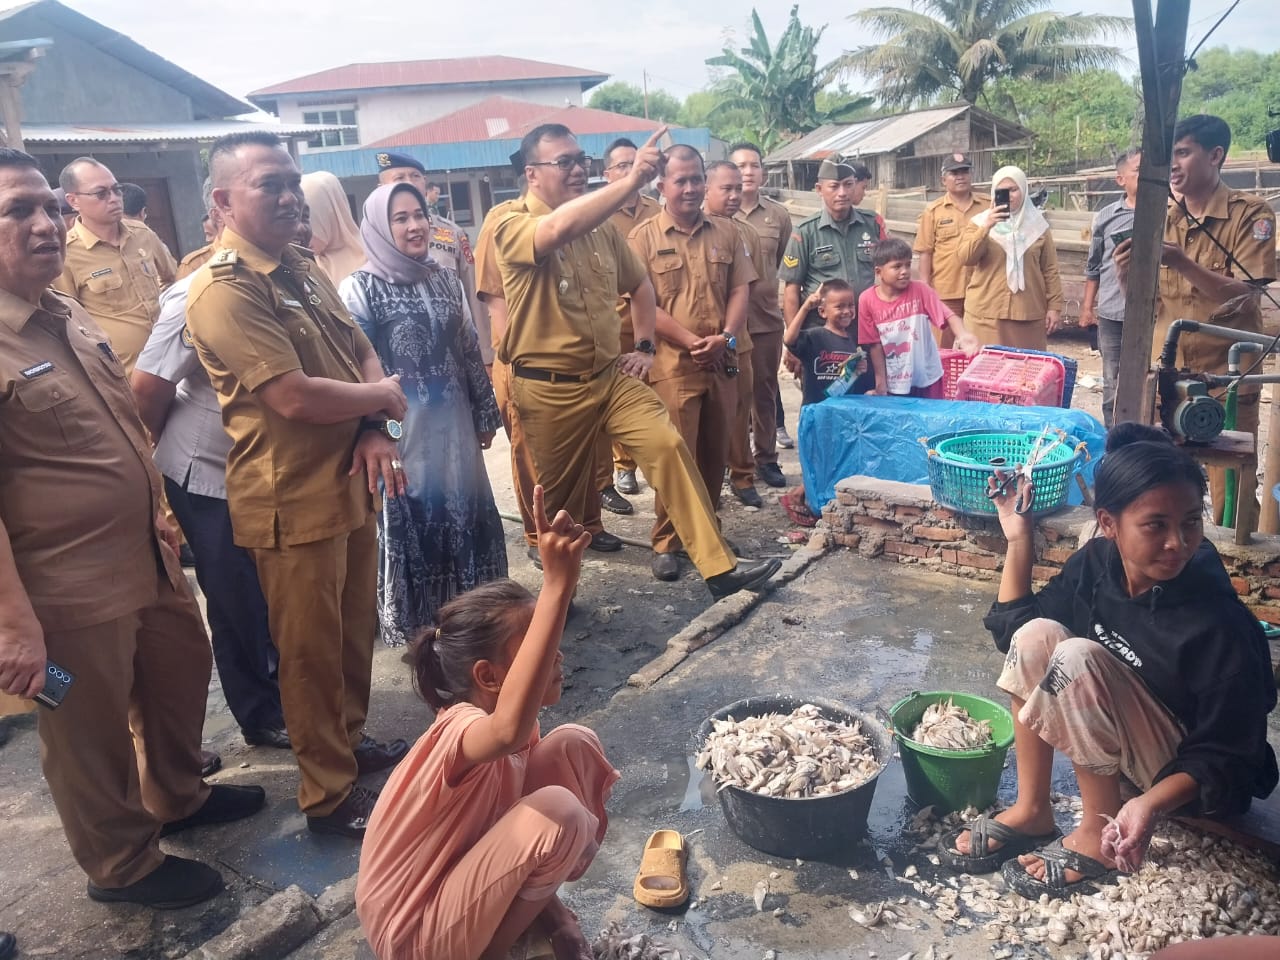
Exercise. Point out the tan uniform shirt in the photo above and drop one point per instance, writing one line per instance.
(1246, 226)
(626, 221)
(988, 295)
(693, 274)
(772, 222)
(938, 232)
(119, 286)
(562, 305)
(194, 260)
(78, 490)
(759, 301)
(253, 318)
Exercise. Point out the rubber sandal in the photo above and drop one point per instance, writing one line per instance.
(1057, 861)
(661, 882)
(798, 512)
(981, 832)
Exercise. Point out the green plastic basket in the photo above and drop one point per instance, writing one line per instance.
(951, 779)
(961, 463)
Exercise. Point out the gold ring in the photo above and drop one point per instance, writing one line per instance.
(397, 465)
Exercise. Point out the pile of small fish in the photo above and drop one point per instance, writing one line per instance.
(945, 726)
(614, 944)
(800, 754)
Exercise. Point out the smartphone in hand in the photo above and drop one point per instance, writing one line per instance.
(1002, 197)
(1121, 236)
(57, 681)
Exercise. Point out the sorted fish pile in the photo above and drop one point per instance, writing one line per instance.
(800, 754)
(1191, 885)
(945, 726)
(614, 944)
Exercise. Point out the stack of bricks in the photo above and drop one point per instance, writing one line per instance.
(901, 522)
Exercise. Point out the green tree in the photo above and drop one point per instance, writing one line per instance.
(778, 86)
(703, 108)
(627, 98)
(939, 50)
(1239, 86)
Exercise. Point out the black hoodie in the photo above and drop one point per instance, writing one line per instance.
(1195, 646)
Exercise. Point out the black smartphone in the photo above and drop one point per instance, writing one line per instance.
(57, 681)
(1121, 236)
(1002, 197)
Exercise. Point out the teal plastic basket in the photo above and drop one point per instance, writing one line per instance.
(960, 464)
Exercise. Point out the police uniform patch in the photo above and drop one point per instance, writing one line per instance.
(186, 338)
(444, 235)
(1263, 229)
(467, 255)
(791, 262)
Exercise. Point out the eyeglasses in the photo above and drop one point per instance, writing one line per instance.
(101, 193)
(567, 162)
(624, 166)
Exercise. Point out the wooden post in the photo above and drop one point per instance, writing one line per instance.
(1269, 518)
(882, 201)
(1161, 55)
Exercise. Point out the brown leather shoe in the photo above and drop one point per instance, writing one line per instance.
(350, 817)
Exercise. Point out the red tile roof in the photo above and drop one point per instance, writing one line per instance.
(425, 73)
(501, 118)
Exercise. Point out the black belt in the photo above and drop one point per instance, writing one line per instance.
(555, 376)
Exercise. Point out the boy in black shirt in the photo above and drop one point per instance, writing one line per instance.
(825, 351)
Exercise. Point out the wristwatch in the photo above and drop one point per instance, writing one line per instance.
(730, 341)
(391, 429)
(646, 346)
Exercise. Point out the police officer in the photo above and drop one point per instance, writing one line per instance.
(617, 472)
(772, 222)
(121, 754)
(834, 243)
(300, 388)
(116, 270)
(563, 268)
(700, 270)
(938, 235)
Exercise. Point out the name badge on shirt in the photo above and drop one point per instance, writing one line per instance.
(663, 253)
(107, 351)
(39, 370)
(100, 273)
(290, 303)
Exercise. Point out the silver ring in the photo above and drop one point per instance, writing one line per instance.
(397, 465)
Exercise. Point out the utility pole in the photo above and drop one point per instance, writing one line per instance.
(644, 75)
(1162, 57)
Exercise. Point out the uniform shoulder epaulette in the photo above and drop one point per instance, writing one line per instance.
(810, 219)
(223, 263)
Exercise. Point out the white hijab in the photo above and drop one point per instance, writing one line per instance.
(1019, 232)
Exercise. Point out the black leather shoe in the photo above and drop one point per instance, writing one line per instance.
(210, 763)
(625, 481)
(8, 945)
(534, 557)
(224, 804)
(185, 556)
(771, 474)
(350, 817)
(372, 756)
(748, 496)
(615, 502)
(604, 542)
(174, 884)
(665, 566)
(747, 575)
(267, 737)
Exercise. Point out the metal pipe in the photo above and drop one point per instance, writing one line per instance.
(1169, 354)
(1237, 348)
(1223, 380)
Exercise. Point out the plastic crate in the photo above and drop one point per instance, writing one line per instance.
(960, 466)
(1023, 380)
(1069, 368)
(954, 363)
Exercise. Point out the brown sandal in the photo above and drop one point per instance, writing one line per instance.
(661, 882)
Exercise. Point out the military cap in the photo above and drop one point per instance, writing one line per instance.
(387, 161)
(836, 168)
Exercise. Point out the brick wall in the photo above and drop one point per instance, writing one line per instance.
(901, 522)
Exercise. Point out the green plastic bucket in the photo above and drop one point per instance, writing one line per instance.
(951, 779)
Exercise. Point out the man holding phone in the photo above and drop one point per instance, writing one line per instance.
(1104, 294)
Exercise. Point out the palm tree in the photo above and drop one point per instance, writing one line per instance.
(779, 85)
(940, 49)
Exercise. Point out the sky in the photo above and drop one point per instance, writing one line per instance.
(240, 46)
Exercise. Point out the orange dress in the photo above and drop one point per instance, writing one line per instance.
(444, 856)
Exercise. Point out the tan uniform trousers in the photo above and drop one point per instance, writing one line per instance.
(943, 336)
(766, 357)
(522, 477)
(322, 605)
(561, 422)
(121, 754)
(742, 466)
(621, 459)
(704, 408)
(1024, 334)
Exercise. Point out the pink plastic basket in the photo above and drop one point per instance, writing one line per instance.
(1023, 380)
(954, 363)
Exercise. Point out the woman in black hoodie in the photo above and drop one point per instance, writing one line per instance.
(1137, 661)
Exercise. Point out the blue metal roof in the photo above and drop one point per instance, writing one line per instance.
(475, 154)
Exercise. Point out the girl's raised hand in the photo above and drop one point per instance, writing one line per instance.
(560, 543)
(1007, 490)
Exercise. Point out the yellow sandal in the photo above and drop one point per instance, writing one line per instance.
(661, 882)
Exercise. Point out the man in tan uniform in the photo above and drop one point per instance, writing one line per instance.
(305, 401)
(772, 222)
(563, 268)
(197, 258)
(938, 235)
(617, 472)
(114, 269)
(701, 272)
(89, 578)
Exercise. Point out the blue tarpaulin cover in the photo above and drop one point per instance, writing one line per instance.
(880, 437)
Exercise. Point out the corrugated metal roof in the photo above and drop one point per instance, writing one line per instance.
(866, 137)
(208, 100)
(429, 73)
(195, 131)
(503, 118)
(472, 155)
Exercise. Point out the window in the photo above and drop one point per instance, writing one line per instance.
(345, 116)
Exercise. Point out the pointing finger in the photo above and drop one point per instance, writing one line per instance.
(657, 135)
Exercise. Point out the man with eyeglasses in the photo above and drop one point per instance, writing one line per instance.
(563, 268)
(116, 270)
(617, 473)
